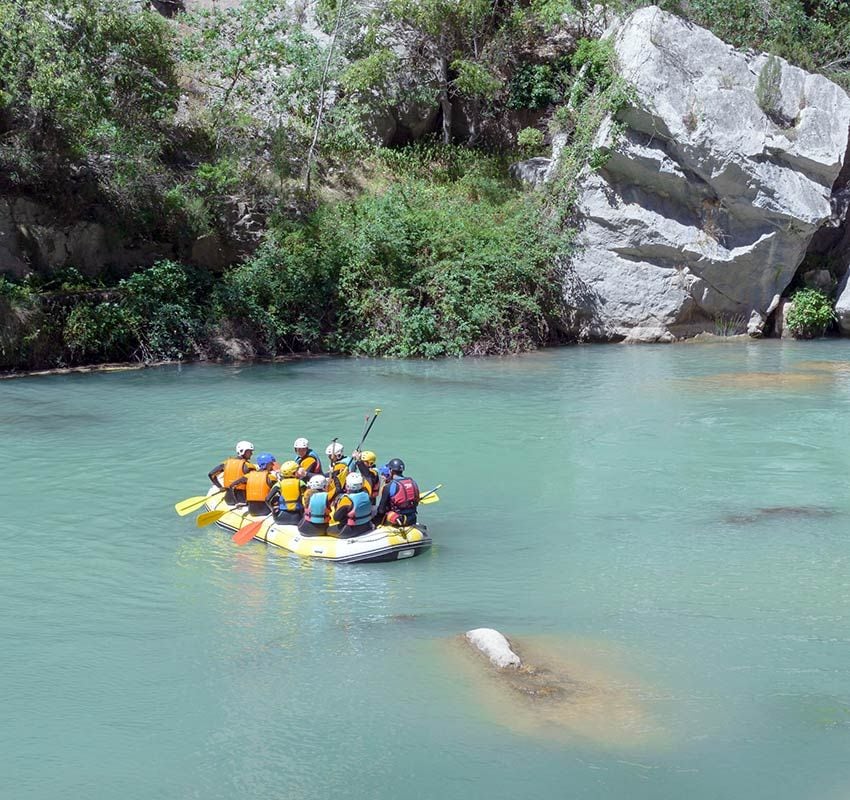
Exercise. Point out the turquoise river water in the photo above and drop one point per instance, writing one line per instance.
(667, 528)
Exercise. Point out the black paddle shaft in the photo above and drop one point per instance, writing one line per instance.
(367, 432)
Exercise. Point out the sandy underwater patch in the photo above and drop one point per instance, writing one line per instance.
(757, 380)
(568, 690)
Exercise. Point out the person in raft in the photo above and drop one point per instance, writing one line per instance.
(231, 469)
(259, 485)
(306, 459)
(315, 522)
(338, 471)
(365, 465)
(399, 498)
(353, 510)
(289, 492)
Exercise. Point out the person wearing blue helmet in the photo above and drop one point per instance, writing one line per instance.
(399, 497)
(259, 484)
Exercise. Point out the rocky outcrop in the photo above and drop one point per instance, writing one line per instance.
(711, 194)
(36, 237)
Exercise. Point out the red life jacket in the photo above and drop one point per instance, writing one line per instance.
(406, 494)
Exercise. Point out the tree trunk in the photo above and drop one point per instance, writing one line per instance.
(311, 152)
(445, 101)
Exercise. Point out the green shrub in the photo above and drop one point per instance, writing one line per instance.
(284, 295)
(98, 332)
(425, 272)
(165, 310)
(812, 312)
(535, 86)
(86, 80)
(529, 141)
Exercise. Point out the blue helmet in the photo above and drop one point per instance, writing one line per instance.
(264, 459)
(384, 471)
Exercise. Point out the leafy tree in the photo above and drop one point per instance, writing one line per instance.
(452, 35)
(85, 81)
(274, 86)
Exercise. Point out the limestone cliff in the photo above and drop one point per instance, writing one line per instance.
(711, 195)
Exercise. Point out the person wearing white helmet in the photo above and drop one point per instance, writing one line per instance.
(353, 510)
(316, 508)
(307, 459)
(338, 471)
(258, 485)
(364, 461)
(231, 470)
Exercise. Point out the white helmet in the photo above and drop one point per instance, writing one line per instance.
(334, 449)
(242, 447)
(318, 483)
(302, 442)
(354, 481)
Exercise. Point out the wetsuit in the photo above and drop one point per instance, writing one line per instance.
(309, 463)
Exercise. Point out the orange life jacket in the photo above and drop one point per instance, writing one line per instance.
(234, 469)
(257, 486)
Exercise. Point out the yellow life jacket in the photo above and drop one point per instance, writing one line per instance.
(290, 494)
(372, 483)
(341, 471)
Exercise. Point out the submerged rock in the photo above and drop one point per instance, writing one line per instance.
(781, 512)
(711, 194)
(558, 689)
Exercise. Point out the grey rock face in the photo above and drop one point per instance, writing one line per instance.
(842, 305)
(706, 205)
(531, 171)
(35, 237)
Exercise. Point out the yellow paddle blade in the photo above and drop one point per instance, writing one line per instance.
(431, 498)
(191, 504)
(209, 516)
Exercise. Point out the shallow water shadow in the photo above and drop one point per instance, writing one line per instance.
(781, 512)
(824, 366)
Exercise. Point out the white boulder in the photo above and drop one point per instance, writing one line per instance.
(707, 203)
(495, 646)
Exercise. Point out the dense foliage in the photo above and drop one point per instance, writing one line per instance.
(159, 128)
(443, 257)
(87, 88)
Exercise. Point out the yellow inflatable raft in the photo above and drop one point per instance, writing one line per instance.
(385, 543)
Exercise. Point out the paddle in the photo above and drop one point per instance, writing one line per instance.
(191, 504)
(430, 497)
(369, 428)
(246, 533)
(207, 517)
